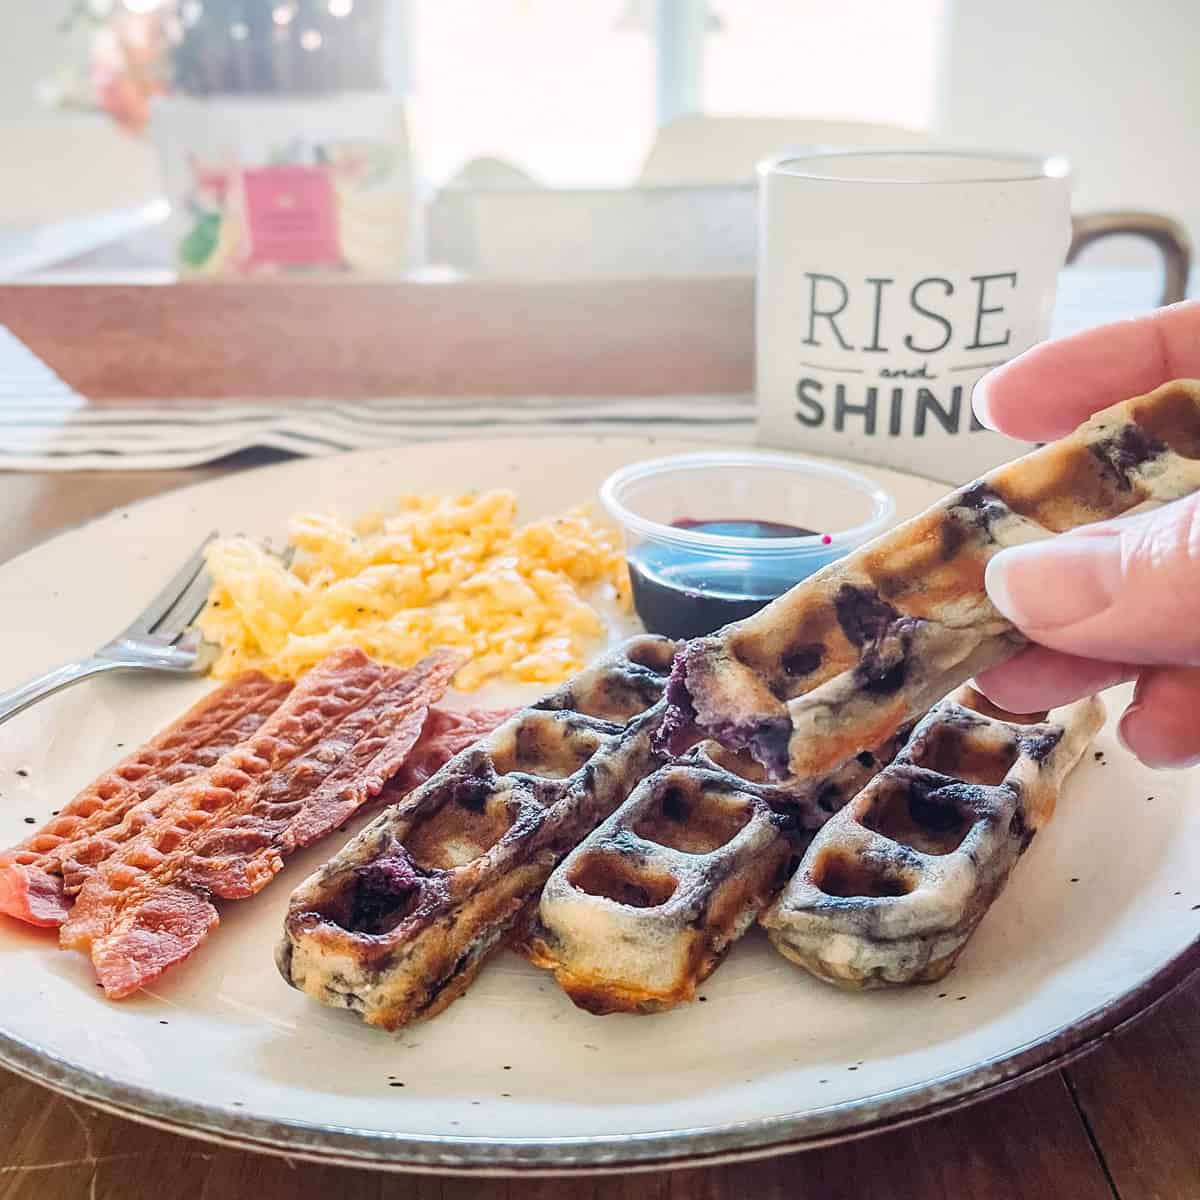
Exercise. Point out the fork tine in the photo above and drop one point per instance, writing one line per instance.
(170, 594)
(186, 609)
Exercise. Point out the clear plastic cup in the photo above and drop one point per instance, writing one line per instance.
(713, 537)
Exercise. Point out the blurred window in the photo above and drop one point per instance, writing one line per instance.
(573, 90)
(863, 60)
(557, 87)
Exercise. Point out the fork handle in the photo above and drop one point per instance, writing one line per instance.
(20, 698)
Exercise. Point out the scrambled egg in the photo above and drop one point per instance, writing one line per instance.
(438, 571)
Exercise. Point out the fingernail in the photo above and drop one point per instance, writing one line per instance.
(979, 401)
(1149, 746)
(1131, 711)
(1059, 582)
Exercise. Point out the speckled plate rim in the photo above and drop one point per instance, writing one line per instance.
(705, 1146)
(607, 1154)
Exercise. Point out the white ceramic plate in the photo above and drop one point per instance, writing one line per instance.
(1100, 919)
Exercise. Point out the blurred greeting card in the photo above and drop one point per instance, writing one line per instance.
(265, 185)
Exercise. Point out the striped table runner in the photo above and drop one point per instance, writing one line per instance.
(45, 426)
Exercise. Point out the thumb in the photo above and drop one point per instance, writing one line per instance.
(1125, 591)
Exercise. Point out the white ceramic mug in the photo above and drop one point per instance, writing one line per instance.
(890, 281)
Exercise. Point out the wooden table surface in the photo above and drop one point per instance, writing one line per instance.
(1124, 1121)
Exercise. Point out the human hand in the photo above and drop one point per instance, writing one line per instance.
(1118, 600)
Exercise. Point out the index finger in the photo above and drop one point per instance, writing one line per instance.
(1049, 390)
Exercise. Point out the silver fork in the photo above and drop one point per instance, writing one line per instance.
(158, 640)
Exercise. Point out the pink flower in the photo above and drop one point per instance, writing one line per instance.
(128, 67)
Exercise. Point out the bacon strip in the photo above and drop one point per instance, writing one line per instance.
(342, 733)
(40, 876)
(446, 732)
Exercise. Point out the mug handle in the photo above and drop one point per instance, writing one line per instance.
(1167, 234)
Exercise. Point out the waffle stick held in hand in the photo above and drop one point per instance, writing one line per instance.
(843, 660)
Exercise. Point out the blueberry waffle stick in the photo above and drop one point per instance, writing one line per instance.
(397, 924)
(893, 886)
(645, 908)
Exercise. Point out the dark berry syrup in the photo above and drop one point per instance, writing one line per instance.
(684, 593)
